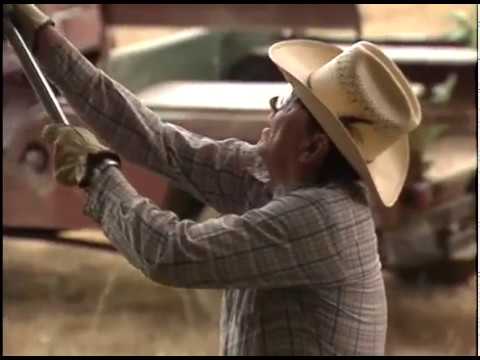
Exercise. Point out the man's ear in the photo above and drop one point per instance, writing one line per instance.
(314, 149)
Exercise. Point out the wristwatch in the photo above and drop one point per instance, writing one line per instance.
(96, 166)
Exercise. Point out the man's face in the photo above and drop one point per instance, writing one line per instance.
(280, 144)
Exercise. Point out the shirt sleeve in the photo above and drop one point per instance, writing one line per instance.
(277, 245)
(215, 172)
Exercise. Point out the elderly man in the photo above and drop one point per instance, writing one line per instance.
(295, 250)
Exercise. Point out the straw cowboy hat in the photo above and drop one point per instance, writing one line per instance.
(357, 82)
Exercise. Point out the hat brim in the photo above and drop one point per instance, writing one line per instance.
(386, 175)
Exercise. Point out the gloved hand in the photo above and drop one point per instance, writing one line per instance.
(77, 153)
(28, 18)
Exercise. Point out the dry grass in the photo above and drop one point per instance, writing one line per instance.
(60, 300)
(431, 320)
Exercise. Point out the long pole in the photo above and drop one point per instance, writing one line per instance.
(34, 74)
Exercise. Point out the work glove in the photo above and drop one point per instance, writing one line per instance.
(28, 19)
(77, 154)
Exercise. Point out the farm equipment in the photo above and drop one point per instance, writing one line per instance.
(217, 80)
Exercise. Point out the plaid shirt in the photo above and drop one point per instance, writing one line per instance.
(300, 267)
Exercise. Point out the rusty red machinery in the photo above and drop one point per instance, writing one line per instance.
(31, 198)
(423, 234)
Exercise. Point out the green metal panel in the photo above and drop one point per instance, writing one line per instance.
(189, 55)
(198, 54)
(235, 45)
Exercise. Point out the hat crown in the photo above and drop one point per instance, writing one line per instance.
(363, 83)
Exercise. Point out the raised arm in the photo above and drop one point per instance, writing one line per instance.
(264, 247)
(215, 172)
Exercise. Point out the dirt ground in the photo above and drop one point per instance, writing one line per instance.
(62, 300)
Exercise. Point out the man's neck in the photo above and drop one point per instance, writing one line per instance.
(285, 187)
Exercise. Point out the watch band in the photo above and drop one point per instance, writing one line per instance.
(97, 167)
